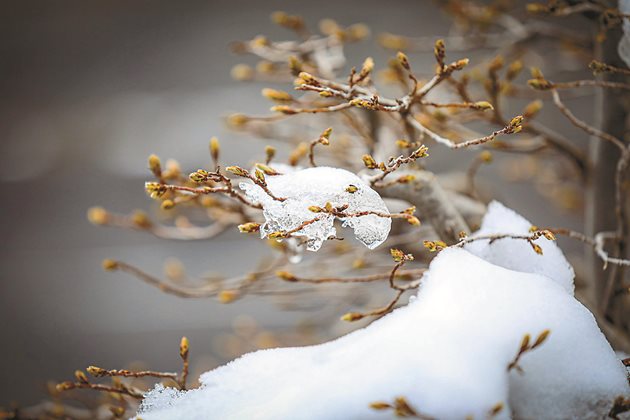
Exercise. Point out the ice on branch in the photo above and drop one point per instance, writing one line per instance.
(483, 338)
(315, 187)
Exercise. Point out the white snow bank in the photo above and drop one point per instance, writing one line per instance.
(517, 254)
(446, 352)
(316, 187)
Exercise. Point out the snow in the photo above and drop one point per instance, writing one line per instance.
(316, 187)
(517, 254)
(446, 352)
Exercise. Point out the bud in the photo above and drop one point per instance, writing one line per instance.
(237, 120)
(542, 337)
(155, 189)
(548, 235)
(96, 371)
(393, 42)
(81, 377)
(285, 275)
(266, 169)
(403, 60)
(236, 170)
(277, 95)
(242, 72)
(532, 108)
(514, 70)
(141, 219)
(167, 204)
(380, 406)
(215, 147)
(265, 67)
(369, 162)
(537, 248)
(537, 8)
(184, 347)
(439, 51)
(421, 152)
(397, 254)
(270, 152)
(315, 209)
(403, 144)
(536, 73)
(277, 235)
(117, 411)
(295, 65)
(283, 109)
(352, 316)
(485, 156)
(109, 265)
(228, 296)
(200, 175)
(406, 179)
(358, 31)
(460, 64)
(540, 84)
(413, 220)
(516, 124)
(496, 64)
(326, 133)
(260, 41)
(260, 176)
(308, 78)
(298, 153)
(155, 165)
(368, 66)
(249, 227)
(98, 216)
(482, 105)
(64, 386)
(352, 189)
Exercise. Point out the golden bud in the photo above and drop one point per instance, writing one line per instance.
(532, 108)
(242, 72)
(228, 296)
(397, 254)
(270, 152)
(285, 275)
(81, 377)
(155, 165)
(315, 209)
(109, 265)
(236, 170)
(167, 204)
(249, 227)
(403, 60)
(369, 162)
(514, 70)
(237, 120)
(540, 84)
(352, 189)
(98, 216)
(215, 147)
(184, 347)
(277, 95)
(485, 156)
(413, 220)
(96, 371)
(482, 105)
(352, 316)
(267, 169)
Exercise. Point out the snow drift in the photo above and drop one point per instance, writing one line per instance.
(446, 352)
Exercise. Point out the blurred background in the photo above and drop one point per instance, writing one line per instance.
(89, 90)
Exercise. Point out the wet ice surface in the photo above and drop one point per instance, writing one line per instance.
(446, 352)
(316, 187)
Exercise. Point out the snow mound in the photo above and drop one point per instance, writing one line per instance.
(446, 352)
(316, 187)
(517, 254)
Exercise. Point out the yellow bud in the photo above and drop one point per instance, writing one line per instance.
(283, 109)
(295, 65)
(81, 377)
(532, 108)
(403, 60)
(98, 216)
(485, 156)
(496, 63)
(358, 31)
(228, 296)
(267, 169)
(215, 148)
(460, 64)
(184, 347)
(549, 235)
(285, 275)
(352, 316)
(265, 67)
(155, 165)
(237, 171)
(393, 42)
(397, 254)
(277, 95)
(482, 105)
(242, 72)
(140, 219)
(249, 227)
(352, 189)
(167, 204)
(369, 162)
(537, 248)
(540, 84)
(403, 144)
(96, 371)
(109, 265)
(514, 69)
(270, 152)
(315, 209)
(413, 220)
(380, 405)
(237, 120)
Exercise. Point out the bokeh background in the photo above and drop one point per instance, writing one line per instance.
(89, 90)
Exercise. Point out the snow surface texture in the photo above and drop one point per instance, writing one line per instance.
(516, 254)
(624, 43)
(446, 353)
(316, 187)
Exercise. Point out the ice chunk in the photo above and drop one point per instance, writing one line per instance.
(316, 187)
(517, 254)
(446, 352)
